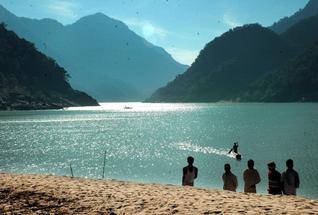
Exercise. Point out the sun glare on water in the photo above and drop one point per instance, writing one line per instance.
(138, 107)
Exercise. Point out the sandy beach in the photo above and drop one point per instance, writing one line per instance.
(45, 194)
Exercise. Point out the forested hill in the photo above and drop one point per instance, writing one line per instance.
(296, 82)
(251, 64)
(30, 80)
(303, 34)
(227, 65)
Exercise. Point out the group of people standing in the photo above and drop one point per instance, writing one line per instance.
(285, 183)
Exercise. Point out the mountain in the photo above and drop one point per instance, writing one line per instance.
(303, 34)
(252, 64)
(227, 65)
(311, 9)
(296, 82)
(30, 80)
(103, 57)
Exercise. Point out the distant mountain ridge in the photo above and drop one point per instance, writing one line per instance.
(103, 57)
(311, 9)
(252, 64)
(30, 80)
(227, 65)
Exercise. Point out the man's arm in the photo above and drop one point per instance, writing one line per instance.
(297, 180)
(235, 182)
(258, 178)
(183, 175)
(196, 172)
(245, 176)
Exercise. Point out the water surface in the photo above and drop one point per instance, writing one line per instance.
(150, 142)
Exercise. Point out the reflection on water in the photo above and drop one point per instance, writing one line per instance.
(150, 142)
(137, 106)
(202, 149)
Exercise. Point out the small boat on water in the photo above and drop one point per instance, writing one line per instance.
(128, 107)
(235, 155)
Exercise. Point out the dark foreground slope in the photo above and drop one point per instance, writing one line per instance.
(296, 82)
(227, 66)
(30, 80)
(303, 34)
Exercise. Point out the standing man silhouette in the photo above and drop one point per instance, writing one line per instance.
(274, 180)
(251, 178)
(229, 179)
(290, 179)
(190, 173)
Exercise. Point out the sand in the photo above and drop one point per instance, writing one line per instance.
(46, 194)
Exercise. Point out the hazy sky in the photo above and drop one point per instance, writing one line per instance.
(182, 27)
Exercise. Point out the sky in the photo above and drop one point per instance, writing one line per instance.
(181, 27)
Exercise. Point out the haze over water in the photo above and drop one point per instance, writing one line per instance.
(150, 142)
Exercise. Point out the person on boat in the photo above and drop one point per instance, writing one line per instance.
(251, 178)
(234, 148)
(290, 179)
(274, 180)
(190, 173)
(229, 179)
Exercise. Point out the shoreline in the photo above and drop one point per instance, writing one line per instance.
(29, 194)
(56, 106)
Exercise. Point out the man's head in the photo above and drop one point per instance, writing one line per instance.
(290, 163)
(250, 164)
(271, 166)
(227, 167)
(190, 160)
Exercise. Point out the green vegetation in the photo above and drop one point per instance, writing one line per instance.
(303, 34)
(296, 82)
(227, 65)
(30, 80)
(251, 63)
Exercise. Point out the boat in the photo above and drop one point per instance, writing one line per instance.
(237, 156)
